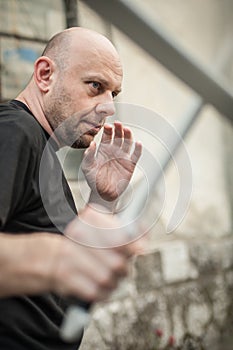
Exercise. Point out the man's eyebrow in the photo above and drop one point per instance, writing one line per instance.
(99, 79)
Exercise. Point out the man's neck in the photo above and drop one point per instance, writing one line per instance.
(34, 103)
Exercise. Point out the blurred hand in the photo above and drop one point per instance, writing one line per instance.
(92, 267)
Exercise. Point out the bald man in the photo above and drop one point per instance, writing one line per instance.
(65, 103)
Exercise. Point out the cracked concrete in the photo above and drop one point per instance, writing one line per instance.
(193, 313)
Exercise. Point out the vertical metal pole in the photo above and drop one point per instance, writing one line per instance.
(71, 13)
(0, 71)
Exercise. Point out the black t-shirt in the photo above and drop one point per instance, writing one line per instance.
(26, 189)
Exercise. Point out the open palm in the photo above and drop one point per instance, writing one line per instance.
(109, 171)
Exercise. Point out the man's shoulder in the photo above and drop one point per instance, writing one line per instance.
(17, 122)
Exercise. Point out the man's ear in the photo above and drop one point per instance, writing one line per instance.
(43, 70)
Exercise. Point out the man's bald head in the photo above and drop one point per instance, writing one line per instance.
(78, 41)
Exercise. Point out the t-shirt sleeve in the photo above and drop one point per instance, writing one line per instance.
(15, 155)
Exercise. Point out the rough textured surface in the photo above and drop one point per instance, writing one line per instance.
(150, 312)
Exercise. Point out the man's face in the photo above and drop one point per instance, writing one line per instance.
(82, 97)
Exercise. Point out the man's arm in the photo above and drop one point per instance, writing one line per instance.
(40, 262)
(26, 262)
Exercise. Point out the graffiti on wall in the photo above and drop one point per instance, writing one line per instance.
(17, 59)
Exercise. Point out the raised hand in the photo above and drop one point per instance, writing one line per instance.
(109, 171)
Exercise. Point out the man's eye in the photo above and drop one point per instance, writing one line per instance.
(95, 85)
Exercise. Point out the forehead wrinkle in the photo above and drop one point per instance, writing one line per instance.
(91, 62)
(103, 60)
(100, 67)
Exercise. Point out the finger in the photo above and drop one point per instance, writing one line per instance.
(80, 260)
(102, 275)
(135, 248)
(89, 155)
(137, 152)
(118, 134)
(110, 266)
(107, 134)
(128, 139)
(116, 262)
(85, 288)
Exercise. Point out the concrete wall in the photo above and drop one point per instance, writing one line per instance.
(31, 19)
(156, 308)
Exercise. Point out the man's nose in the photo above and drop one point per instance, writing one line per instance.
(106, 107)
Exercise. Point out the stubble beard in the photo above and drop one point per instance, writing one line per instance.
(66, 128)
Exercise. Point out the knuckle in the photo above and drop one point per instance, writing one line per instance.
(97, 293)
(119, 265)
(92, 294)
(106, 280)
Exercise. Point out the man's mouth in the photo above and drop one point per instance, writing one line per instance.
(94, 129)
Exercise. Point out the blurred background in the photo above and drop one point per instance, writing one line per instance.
(183, 72)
